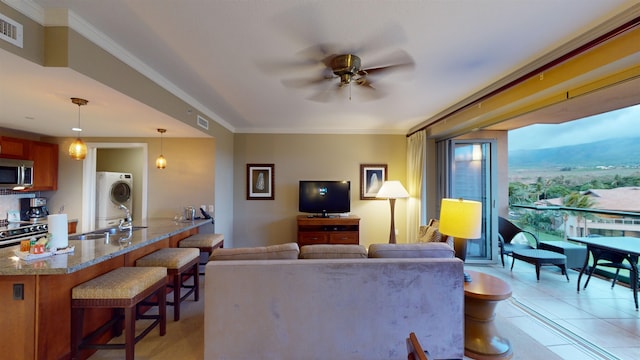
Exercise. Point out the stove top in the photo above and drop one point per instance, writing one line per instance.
(15, 232)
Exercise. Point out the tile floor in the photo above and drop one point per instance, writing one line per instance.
(597, 323)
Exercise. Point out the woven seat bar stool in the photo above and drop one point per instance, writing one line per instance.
(181, 264)
(121, 289)
(206, 243)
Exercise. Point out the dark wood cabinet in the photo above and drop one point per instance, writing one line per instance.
(14, 148)
(331, 230)
(45, 165)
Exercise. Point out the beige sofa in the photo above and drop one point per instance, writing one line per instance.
(336, 308)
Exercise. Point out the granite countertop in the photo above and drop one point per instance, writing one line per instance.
(90, 252)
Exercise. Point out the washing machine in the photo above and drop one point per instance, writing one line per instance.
(112, 190)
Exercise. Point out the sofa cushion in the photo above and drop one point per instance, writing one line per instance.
(272, 252)
(338, 251)
(419, 250)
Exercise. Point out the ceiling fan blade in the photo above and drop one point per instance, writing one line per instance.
(399, 59)
(303, 82)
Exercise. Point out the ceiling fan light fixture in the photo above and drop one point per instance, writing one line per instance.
(161, 162)
(78, 149)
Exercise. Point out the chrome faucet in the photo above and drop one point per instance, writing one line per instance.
(125, 224)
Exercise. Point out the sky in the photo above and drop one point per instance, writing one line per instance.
(615, 124)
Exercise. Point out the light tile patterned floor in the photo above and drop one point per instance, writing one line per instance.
(597, 323)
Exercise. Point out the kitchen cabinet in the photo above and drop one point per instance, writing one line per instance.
(45, 165)
(14, 148)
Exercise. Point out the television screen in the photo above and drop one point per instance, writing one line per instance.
(324, 197)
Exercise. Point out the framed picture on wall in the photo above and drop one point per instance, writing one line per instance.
(260, 180)
(371, 178)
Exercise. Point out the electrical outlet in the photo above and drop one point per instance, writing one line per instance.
(211, 209)
(18, 291)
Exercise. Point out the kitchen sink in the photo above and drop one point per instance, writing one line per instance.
(100, 234)
(86, 237)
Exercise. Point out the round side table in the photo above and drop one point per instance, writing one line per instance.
(481, 339)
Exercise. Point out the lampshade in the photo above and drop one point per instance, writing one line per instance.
(78, 149)
(161, 162)
(461, 218)
(392, 189)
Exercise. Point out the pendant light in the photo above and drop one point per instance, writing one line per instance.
(161, 162)
(78, 149)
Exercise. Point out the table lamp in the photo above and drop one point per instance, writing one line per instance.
(392, 189)
(461, 219)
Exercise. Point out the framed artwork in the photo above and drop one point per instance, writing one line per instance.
(260, 182)
(371, 178)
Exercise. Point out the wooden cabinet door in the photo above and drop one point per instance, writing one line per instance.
(13, 148)
(45, 165)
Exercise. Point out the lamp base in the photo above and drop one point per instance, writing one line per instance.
(460, 249)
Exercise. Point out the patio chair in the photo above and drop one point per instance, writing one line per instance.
(507, 231)
(614, 261)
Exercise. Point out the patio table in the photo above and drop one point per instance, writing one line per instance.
(626, 246)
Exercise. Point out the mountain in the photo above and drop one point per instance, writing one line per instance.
(615, 152)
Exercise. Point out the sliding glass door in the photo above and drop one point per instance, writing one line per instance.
(471, 171)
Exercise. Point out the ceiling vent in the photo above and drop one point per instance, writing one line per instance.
(10, 31)
(203, 123)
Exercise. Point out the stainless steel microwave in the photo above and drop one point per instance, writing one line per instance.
(16, 174)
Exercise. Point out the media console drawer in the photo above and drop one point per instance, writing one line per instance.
(332, 230)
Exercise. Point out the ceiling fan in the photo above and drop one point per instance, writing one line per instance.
(347, 69)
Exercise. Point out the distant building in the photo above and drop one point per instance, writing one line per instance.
(618, 199)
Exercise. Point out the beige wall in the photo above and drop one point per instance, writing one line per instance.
(187, 180)
(313, 157)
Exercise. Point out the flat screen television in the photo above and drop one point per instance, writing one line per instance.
(322, 198)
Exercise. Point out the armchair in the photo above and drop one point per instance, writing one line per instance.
(507, 231)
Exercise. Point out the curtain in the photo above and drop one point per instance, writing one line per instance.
(416, 147)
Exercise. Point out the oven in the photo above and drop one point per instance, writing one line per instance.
(13, 233)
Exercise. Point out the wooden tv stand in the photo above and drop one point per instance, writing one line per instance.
(328, 230)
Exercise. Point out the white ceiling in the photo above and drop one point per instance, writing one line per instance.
(229, 58)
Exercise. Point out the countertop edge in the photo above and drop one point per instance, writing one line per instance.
(10, 265)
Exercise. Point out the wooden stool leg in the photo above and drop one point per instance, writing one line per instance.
(177, 286)
(118, 313)
(130, 332)
(77, 317)
(196, 281)
(162, 309)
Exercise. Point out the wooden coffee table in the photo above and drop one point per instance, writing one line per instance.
(539, 258)
(481, 295)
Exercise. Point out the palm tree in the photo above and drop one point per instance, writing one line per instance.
(579, 201)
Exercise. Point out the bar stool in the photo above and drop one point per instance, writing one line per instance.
(121, 289)
(206, 243)
(179, 263)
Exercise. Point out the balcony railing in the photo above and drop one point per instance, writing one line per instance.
(557, 223)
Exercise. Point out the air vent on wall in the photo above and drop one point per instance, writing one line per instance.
(203, 123)
(10, 31)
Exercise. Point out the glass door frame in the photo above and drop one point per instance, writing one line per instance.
(481, 156)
